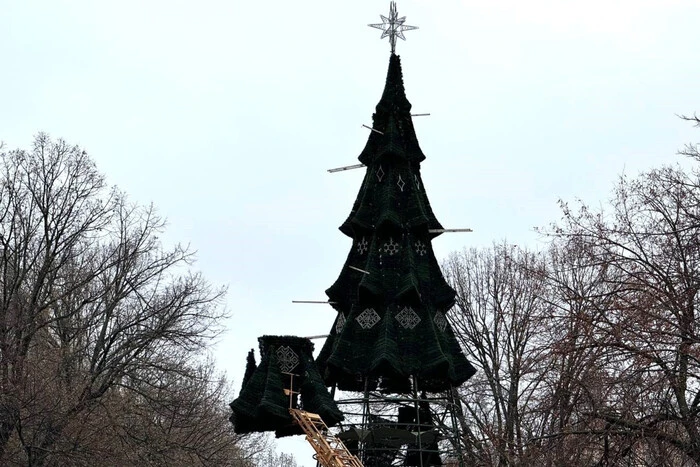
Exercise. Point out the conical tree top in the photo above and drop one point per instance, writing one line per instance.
(392, 195)
(392, 121)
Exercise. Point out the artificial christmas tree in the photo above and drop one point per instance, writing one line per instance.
(391, 339)
(391, 297)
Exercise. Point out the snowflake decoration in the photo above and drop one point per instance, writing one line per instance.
(362, 246)
(408, 318)
(415, 179)
(391, 247)
(287, 359)
(340, 323)
(401, 183)
(380, 173)
(420, 248)
(440, 321)
(368, 318)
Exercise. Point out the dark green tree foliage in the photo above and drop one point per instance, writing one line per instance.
(262, 404)
(391, 318)
(250, 367)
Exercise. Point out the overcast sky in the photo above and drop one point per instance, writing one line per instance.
(227, 114)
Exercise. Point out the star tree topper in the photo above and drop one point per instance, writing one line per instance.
(393, 26)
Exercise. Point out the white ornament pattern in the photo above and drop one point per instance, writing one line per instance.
(287, 359)
(380, 173)
(420, 248)
(391, 247)
(340, 323)
(401, 183)
(362, 246)
(440, 321)
(368, 318)
(415, 179)
(408, 318)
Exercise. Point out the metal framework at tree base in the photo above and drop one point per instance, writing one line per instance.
(414, 429)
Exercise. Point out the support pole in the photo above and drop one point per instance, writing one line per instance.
(374, 130)
(365, 420)
(347, 167)
(448, 230)
(456, 411)
(314, 302)
(416, 404)
(358, 269)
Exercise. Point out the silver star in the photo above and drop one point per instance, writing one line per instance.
(393, 26)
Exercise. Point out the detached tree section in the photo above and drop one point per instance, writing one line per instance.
(287, 375)
(100, 326)
(391, 296)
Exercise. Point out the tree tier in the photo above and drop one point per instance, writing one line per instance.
(262, 404)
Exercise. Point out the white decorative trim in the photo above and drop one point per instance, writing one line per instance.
(420, 248)
(287, 359)
(368, 318)
(408, 318)
(380, 173)
(440, 321)
(401, 183)
(362, 246)
(391, 247)
(340, 323)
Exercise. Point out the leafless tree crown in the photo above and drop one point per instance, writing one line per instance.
(103, 331)
(588, 351)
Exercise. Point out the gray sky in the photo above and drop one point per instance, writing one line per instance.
(226, 115)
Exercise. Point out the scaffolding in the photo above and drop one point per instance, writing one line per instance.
(415, 428)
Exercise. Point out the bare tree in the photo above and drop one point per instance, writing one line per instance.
(589, 354)
(273, 459)
(576, 377)
(102, 330)
(648, 249)
(691, 150)
(498, 317)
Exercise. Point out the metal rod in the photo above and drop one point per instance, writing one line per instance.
(455, 413)
(291, 390)
(320, 336)
(419, 115)
(416, 404)
(347, 167)
(358, 269)
(394, 399)
(365, 419)
(313, 301)
(448, 230)
(370, 128)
